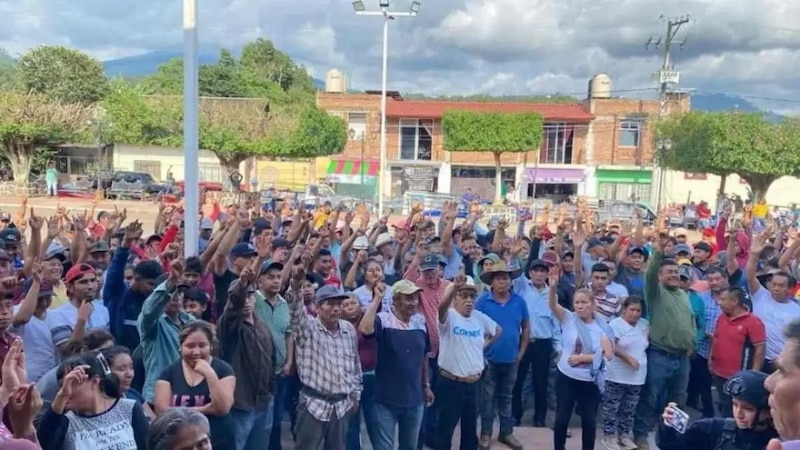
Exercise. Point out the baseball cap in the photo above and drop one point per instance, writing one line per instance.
(5, 216)
(429, 262)
(100, 247)
(54, 251)
(538, 264)
(260, 225)
(683, 248)
(280, 243)
(269, 265)
(243, 250)
(10, 235)
(404, 287)
(637, 249)
(704, 246)
(361, 243)
(328, 293)
(550, 257)
(77, 271)
(685, 272)
(680, 232)
(593, 242)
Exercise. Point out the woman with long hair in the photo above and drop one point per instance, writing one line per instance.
(88, 412)
(200, 381)
(352, 311)
(373, 274)
(580, 379)
(121, 363)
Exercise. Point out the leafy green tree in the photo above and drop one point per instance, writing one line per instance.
(168, 79)
(223, 79)
(132, 118)
(722, 143)
(62, 74)
(468, 131)
(31, 122)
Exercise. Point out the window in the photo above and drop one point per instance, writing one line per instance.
(557, 144)
(151, 167)
(694, 176)
(630, 133)
(210, 173)
(625, 192)
(357, 122)
(416, 139)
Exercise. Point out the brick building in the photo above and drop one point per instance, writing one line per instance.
(602, 146)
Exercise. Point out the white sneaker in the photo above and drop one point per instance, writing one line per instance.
(626, 443)
(610, 442)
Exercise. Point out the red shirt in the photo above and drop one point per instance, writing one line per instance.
(734, 343)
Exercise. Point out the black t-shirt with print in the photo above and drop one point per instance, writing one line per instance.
(194, 396)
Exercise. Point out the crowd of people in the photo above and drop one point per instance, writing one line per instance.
(114, 339)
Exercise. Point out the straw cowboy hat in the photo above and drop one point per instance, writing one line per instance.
(499, 267)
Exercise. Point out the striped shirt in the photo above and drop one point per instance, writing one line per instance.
(712, 314)
(327, 361)
(608, 306)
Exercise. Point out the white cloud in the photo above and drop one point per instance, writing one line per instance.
(456, 46)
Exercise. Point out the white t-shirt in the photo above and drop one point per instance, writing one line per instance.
(461, 342)
(633, 340)
(364, 296)
(570, 339)
(776, 316)
(37, 343)
(62, 320)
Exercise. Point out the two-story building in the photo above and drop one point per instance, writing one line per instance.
(602, 146)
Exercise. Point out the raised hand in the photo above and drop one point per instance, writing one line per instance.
(35, 221)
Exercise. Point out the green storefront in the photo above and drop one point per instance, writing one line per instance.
(624, 184)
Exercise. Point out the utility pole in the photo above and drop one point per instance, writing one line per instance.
(666, 77)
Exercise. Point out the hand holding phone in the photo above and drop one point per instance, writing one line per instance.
(675, 418)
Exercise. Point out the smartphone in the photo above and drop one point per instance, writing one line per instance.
(679, 422)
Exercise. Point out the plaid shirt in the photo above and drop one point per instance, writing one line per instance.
(712, 314)
(327, 361)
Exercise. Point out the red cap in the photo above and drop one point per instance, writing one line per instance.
(708, 232)
(78, 271)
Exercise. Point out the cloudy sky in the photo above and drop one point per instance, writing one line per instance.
(748, 48)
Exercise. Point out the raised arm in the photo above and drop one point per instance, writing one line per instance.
(552, 294)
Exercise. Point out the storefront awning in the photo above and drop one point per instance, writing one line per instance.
(554, 175)
(351, 172)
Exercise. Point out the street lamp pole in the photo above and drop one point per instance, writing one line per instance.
(191, 129)
(363, 142)
(387, 15)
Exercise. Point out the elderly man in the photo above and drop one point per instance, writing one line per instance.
(327, 365)
(784, 389)
(402, 383)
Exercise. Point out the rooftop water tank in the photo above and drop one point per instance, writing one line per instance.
(600, 86)
(335, 81)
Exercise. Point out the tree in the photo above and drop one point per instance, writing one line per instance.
(758, 151)
(31, 122)
(62, 74)
(262, 72)
(468, 131)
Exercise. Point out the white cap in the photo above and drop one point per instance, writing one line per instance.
(361, 243)
(383, 239)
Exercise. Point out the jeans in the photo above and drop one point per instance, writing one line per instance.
(406, 420)
(366, 409)
(459, 403)
(251, 428)
(427, 432)
(498, 383)
(539, 351)
(52, 188)
(571, 392)
(700, 386)
(665, 371)
(725, 402)
(279, 404)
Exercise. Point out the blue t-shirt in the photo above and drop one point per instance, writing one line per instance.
(509, 316)
(402, 348)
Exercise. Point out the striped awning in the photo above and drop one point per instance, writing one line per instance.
(353, 168)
